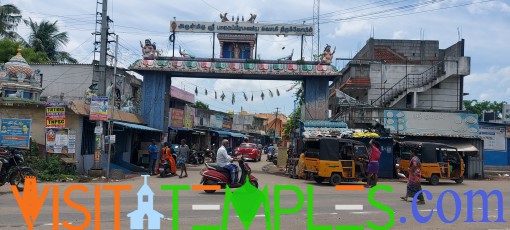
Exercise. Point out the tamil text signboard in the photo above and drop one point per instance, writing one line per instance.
(176, 117)
(99, 109)
(242, 28)
(428, 123)
(60, 141)
(15, 133)
(189, 116)
(55, 115)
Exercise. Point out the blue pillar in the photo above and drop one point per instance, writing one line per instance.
(156, 99)
(316, 99)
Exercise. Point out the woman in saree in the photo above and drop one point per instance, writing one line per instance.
(414, 182)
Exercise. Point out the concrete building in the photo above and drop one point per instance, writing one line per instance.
(400, 74)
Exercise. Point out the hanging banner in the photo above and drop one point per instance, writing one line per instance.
(55, 115)
(176, 117)
(506, 113)
(189, 116)
(227, 122)
(99, 109)
(15, 133)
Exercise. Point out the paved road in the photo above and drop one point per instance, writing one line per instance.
(325, 198)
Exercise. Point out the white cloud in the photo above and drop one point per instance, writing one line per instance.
(483, 7)
(493, 85)
(400, 34)
(351, 28)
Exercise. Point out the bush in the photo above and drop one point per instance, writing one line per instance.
(51, 169)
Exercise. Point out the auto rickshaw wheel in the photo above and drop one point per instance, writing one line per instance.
(335, 179)
(318, 179)
(434, 179)
(459, 180)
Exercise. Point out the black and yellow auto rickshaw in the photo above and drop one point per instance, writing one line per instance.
(334, 159)
(438, 161)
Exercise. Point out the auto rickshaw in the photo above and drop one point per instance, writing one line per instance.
(438, 161)
(334, 159)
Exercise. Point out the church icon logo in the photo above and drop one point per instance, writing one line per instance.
(145, 209)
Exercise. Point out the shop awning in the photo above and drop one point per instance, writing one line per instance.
(462, 146)
(219, 132)
(238, 135)
(179, 128)
(136, 126)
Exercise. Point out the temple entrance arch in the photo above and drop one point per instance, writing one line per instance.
(238, 52)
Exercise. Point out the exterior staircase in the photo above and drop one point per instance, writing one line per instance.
(417, 83)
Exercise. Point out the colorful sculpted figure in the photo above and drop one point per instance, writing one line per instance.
(224, 17)
(149, 50)
(327, 55)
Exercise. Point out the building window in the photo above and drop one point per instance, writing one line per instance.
(145, 198)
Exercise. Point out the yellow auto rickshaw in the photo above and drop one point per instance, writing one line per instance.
(438, 161)
(334, 159)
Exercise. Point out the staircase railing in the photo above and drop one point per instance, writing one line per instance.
(410, 81)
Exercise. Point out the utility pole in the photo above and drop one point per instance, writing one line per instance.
(275, 121)
(110, 126)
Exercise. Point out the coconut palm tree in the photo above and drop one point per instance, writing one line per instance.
(10, 16)
(45, 36)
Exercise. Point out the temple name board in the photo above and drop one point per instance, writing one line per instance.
(242, 28)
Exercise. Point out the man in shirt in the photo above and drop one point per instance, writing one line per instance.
(153, 156)
(225, 161)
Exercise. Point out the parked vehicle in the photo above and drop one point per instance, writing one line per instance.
(275, 159)
(438, 161)
(13, 170)
(211, 154)
(216, 175)
(264, 150)
(334, 159)
(195, 157)
(248, 151)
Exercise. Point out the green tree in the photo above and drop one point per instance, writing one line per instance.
(201, 105)
(8, 48)
(10, 16)
(476, 107)
(46, 37)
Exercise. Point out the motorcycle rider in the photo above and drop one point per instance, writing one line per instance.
(166, 153)
(225, 161)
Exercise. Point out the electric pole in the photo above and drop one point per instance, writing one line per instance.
(114, 90)
(275, 121)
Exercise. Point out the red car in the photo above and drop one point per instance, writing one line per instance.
(249, 151)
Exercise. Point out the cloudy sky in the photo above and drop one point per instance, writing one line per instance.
(484, 24)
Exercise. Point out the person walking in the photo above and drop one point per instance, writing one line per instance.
(414, 182)
(373, 164)
(182, 157)
(153, 157)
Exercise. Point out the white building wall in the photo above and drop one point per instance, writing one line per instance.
(445, 96)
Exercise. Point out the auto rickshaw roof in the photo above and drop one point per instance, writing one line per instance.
(426, 144)
(330, 146)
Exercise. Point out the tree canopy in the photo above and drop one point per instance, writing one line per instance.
(10, 17)
(45, 36)
(476, 107)
(201, 105)
(9, 48)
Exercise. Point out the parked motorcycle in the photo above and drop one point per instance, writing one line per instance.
(275, 159)
(211, 153)
(213, 174)
(13, 169)
(196, 157)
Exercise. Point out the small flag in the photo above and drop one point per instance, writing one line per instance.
(277, 93)
(196, 90)
(245, 97)
(215, 96)
(222, 96)
(262, 95)
(270, 93)
(205, 91)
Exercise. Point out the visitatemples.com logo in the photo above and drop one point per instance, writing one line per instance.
(246, 201)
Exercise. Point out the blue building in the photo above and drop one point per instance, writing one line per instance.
(145, 209)
(495, 144)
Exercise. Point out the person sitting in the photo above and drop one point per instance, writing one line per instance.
(225, 161)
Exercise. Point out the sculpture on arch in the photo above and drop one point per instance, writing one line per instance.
(149, 50)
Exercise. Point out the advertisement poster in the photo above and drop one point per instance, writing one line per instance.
(227, 122)
(506, 113)
(216, 121)
(15, 133)
(99, 109)
(458, 124)
(55, 115)
(72, 141)
(189, 117)
(57, 141)
(494, 138)
(176, 117)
